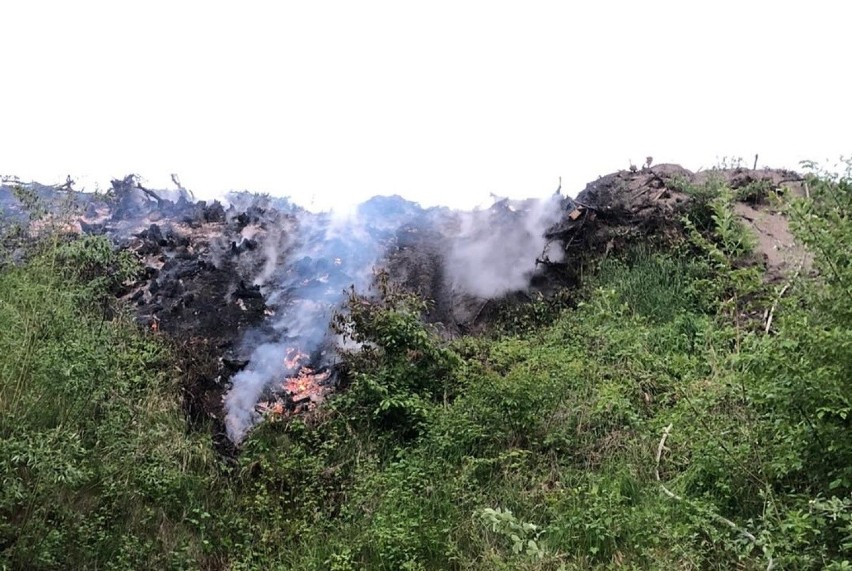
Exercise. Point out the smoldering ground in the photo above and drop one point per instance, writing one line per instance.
(485, 254)
(261, 277)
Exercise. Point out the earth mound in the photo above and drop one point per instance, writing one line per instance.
(222, 280)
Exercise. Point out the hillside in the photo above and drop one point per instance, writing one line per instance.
(652, 375)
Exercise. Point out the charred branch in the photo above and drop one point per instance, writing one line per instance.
(131, 182)
(181, 188)
(150, 193)
(67, 186)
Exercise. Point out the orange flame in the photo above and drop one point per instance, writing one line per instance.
(306, 388)
(307, 385)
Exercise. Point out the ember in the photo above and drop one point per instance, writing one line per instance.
(274, 408)
(307, 385)
(300, 392)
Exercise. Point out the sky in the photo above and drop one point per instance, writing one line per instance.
(443, 102)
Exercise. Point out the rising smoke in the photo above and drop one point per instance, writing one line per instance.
(496, 250)
(304, 262)
(308, 267)
(326, 253)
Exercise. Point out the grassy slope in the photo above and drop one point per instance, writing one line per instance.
(534, 448)
(95, 462)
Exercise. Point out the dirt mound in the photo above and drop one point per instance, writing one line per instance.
(219, 279)
(646, 205)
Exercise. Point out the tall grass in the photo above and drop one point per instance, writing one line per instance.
(95, 460)
(653, 284)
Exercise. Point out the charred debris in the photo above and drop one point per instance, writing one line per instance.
(245, 290)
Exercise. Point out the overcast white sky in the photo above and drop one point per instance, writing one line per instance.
(440, 101)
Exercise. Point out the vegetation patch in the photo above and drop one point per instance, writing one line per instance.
(677, 411)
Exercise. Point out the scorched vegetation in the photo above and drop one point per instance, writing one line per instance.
(678, 411)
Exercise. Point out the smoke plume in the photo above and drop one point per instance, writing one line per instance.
(496, 250)
(326, 254)
(309, 263)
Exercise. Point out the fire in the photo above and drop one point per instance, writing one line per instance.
(275, 407)
(304, 389)
(307, 385)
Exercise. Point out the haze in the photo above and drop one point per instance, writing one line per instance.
(442, 102)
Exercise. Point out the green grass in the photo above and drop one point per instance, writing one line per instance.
(96, 464)
(533, 448)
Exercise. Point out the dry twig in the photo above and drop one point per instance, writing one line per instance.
(781, 293)
(770, 562)
(68, 185)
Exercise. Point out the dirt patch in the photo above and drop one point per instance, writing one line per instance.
(775, 243)
(646, 206)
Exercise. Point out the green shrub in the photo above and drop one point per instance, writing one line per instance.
(95, 461)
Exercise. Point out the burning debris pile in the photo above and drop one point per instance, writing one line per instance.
(302, 389)
(252, 285)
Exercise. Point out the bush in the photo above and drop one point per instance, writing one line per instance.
(399, 367)
(97, 468)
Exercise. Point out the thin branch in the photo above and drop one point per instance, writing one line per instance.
(660, 448)
(544, 258)
(150, 193)
(478, 313)
(131, 181)
(576, 230)
(770, 562)
(781, 293)
(68, 185)
(176, 181)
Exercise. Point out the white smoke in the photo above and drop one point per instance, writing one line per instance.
(248, 385)
(325, 254)
(496, 250)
